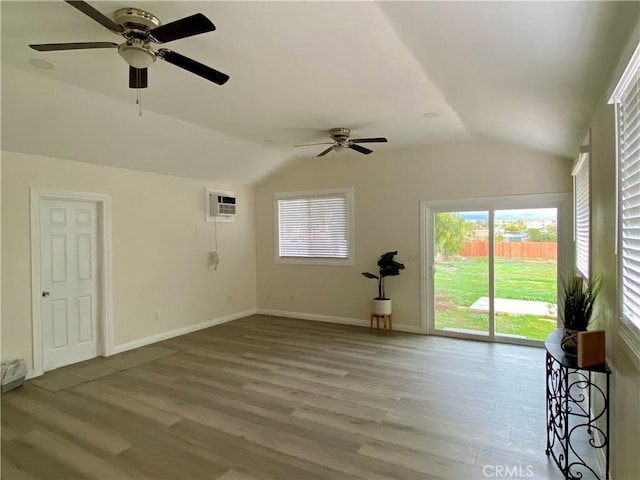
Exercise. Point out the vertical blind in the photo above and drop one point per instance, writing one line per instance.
(315, 226)
(581, 205)
(628, 108)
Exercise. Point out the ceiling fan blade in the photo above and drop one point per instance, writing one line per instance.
(52, 47)
(369, 140)
(192, 66)
(326, 151)
(88, 10)
(185, 27)
(137, 77)
(360, 149)
(309, 144)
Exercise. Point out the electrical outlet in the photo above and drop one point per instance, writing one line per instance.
(157, 316)
(229, 299)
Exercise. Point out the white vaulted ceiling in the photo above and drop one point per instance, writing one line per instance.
(529, 73)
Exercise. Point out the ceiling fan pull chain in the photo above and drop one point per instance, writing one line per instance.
(139, 101)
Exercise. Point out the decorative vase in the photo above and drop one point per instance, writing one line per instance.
(569, 342)
(381, 306)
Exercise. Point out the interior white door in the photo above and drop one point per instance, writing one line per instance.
(69, 280)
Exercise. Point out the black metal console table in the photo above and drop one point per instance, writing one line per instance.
(573, 416)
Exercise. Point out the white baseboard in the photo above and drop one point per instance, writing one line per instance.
(600, 452)
(602, 460)
(331, 319)
(141, 342)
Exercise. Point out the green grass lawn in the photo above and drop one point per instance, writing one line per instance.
(459, 283)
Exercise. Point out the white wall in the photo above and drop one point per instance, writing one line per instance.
(388, 189)
(160, 245)
(625, 364)
(625, 401)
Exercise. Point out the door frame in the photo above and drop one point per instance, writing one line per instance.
(562, 201)
(104, 277)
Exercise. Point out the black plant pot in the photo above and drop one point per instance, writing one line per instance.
(569, 342)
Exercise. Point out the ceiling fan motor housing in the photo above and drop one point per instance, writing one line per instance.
(136, 19)
(340, 134)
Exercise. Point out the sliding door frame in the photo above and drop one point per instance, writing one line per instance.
(561, 201)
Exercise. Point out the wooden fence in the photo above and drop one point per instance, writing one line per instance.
(537, 250)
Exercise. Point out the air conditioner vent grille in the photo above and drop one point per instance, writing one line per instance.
(225, 209)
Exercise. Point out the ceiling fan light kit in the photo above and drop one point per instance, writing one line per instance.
(341, 142)
(141, 28)
(339, 147)
(136, 54)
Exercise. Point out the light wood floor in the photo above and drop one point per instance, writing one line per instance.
(268, 397)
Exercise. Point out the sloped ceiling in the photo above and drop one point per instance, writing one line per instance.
(529, 73)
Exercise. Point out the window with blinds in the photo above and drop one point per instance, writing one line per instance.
(582, 223)
(627, 100)
(315, 227)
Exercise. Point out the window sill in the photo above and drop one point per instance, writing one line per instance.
(333, 262)
(630, 335)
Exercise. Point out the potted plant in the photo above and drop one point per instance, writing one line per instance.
(579, 297)
(381, 305)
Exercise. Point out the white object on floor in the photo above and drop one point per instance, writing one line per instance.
(13, 374)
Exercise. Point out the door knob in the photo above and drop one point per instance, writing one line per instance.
(45, 294)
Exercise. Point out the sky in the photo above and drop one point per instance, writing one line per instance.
(512, 215)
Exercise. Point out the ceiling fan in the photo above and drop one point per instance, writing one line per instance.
(141, 28)
(341, 141)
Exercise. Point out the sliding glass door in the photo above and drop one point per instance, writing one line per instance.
(461, 283)
(492, 273)
(525, 272)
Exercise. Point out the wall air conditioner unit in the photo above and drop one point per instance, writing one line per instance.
(220, 206)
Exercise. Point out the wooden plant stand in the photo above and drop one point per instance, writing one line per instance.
(386, 320)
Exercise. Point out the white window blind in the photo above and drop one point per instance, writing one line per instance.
(581, 216)
(314, 225)
(628, 119)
